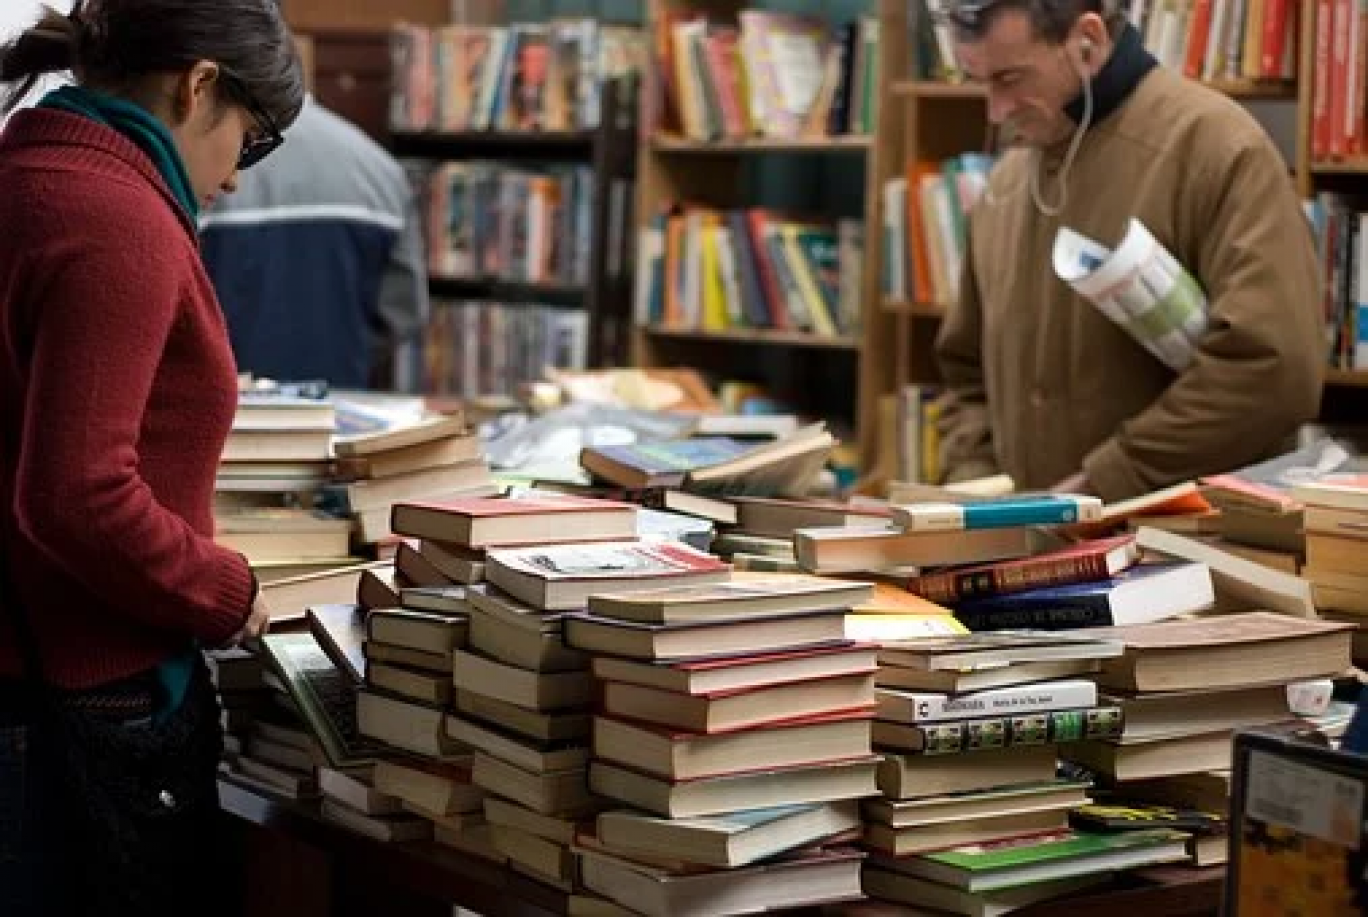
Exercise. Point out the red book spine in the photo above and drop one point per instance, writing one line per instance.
(1274, 37)
(1320, 88)
(1339, 76)
(1007, 579)
(1198, 34)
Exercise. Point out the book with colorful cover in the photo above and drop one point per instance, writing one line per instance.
(1006, 512)
(1298, 835)
(1049, 727)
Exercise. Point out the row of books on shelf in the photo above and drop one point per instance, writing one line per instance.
(924, 227)
(915, 417)
(533, 682)
(706, 269)
(1340, 80)
(492, 348)
(1212, 40)
(527, 76)
(507, 222)
(1222, 39)
(765, 74)
(1338, 225)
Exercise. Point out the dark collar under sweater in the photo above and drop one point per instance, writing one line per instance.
(1128, 65)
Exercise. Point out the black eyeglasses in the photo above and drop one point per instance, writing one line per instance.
(254, 149)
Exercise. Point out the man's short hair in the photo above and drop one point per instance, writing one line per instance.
(1051, 19)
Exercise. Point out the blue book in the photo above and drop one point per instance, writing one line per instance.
(1139, 595)
(1007, 512)
(662, 464)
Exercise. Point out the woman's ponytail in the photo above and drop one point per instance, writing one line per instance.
(48, 47)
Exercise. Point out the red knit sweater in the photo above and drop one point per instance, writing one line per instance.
(118, 388)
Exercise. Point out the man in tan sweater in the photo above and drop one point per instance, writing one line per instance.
(1040, 384)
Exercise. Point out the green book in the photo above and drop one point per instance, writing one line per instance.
(323, 694)
(1045, 857)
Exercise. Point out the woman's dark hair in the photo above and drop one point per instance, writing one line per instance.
(109, 44)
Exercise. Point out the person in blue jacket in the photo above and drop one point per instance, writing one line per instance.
(319, 261)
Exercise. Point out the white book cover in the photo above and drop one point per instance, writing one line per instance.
(609, 560)
(1141, 287)
(935, 707)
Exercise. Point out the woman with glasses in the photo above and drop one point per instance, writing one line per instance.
(117, 392)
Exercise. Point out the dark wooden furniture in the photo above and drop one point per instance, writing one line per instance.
(610, 151)
(299, 865)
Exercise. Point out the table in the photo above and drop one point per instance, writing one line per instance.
(300, 865)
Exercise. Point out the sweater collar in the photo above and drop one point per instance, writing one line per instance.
(1128, 65)
(92, 143)
(137, 124)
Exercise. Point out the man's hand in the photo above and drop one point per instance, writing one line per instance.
(257, 623)
(1074, 484)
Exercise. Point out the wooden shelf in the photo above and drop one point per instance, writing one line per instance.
(1347, 378)
(509, 290)
(1257, 90)
(933, 89)
(1244, 90)
(922, 309)
(841, 143)
(503, 144)
(754, 337)
(1350, 167)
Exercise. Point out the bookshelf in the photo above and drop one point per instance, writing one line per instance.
(609, 152)
(827, 375)
(926, 120)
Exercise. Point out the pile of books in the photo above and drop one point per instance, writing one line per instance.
(520, 695)
(734, 728)
(1184, 687)
(1336, 531)
(278, 452)
(971, 728)
(431, 457)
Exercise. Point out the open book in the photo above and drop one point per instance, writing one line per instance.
(1140, 286)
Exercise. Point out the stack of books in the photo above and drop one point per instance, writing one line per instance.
(524, 695)
(308, 726)
(734, 728)
(240, 681)
(402, 698)
(1336, 531)
(519, 696)
(278, 452)
(430, 458)
(1185, 687)
(762, 538)
(970, 727)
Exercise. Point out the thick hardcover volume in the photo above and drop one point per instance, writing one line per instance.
(997, 514)
(1081, 564)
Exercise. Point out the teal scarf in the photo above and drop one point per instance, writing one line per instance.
(152, 137)
(137, 124)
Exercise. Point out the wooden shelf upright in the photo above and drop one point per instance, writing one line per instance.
(673, 169)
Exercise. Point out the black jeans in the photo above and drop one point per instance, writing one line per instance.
(40, 829)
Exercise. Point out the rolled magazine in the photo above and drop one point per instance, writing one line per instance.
(1139, 286)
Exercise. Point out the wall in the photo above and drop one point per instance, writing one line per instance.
(17, 15)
